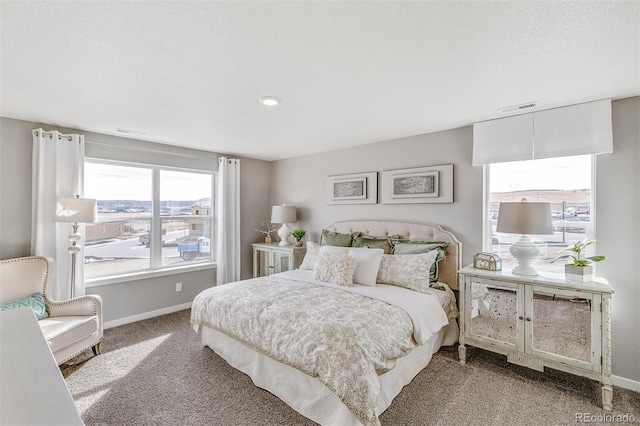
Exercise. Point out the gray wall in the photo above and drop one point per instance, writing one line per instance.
(301, 182)
(132, 297)
(618, 233)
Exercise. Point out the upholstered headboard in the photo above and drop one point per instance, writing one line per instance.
(448, 267)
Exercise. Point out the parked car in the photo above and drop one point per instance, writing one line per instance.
(144, 238)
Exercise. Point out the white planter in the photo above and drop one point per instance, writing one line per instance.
(582, 274)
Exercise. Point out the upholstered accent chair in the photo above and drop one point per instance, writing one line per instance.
(73, 325)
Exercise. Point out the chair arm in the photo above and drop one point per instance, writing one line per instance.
(82, 305)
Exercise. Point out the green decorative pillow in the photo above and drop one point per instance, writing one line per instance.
(417, 247)
(335, 239)
(372, 242)
(35, 302)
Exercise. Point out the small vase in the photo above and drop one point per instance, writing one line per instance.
(267, 239)
(297, 243)
(581, 274)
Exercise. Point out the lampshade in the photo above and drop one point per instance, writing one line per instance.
(283, 214)
(76, 210)
(525, 218)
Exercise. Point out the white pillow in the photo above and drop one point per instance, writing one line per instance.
(368, 262)
(406, 270)
(310, 256)
(336, 268)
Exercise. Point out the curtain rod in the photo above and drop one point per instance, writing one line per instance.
(50, 134)
(70, 138)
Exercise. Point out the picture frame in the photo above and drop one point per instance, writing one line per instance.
(433, 184)
(357, 188)
(415, 185)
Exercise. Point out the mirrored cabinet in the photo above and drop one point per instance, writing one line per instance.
(272, 258)
(540, 321)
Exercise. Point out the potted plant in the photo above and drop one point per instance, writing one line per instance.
(270, 228)
(579, 269)
(298, 234)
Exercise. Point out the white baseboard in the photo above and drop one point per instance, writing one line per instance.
(626, 383)
(146, 315)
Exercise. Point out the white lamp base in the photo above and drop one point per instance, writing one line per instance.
(525, 251)
(284, 232)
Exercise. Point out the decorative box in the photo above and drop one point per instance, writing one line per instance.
(487, 261)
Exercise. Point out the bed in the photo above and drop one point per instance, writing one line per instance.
(338, 354)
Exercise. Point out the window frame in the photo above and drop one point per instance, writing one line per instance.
(155, 268)
(488, 223)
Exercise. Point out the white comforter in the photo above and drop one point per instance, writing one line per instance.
(327, 331)
(425, 310)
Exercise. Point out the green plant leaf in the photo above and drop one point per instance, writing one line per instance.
(596, 258)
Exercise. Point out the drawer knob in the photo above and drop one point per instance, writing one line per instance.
(520, 317)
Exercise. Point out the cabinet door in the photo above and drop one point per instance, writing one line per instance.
(492, 310)
(280, 262)
(559, 326)
(264, 262)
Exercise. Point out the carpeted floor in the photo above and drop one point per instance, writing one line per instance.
(157, 372)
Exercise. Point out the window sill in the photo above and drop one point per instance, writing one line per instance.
(143, 275)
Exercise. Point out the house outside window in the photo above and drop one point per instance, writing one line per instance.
(147, 219)
(565, 182)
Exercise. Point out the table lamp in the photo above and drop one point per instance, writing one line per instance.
(75, 210)
(283, 214)
(526, 219)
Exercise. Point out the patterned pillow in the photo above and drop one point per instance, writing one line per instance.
(35, 302)
(406, 270)
(336, 268)
(417, 247)
(310, 256)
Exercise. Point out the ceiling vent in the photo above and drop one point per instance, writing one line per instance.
(133, 132)
(520, 107)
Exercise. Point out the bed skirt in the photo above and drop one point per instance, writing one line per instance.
(307, 395)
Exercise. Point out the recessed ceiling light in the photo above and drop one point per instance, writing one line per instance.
(269, 100)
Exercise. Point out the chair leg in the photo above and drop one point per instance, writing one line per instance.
(96, 349)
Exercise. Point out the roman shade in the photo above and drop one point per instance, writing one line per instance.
(572, 130)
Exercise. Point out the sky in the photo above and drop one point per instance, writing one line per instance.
(115, 182)
(551, 173)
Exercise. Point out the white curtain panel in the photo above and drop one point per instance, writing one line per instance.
(228, 205)
(58, 171)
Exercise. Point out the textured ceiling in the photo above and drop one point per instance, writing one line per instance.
(348, 73)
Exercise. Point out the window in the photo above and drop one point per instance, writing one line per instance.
(565, 182)
(149, 218)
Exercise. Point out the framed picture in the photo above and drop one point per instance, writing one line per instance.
(415, 185)
(432, 184)
(361, 188)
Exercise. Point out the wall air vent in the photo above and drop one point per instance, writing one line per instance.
(518, 107)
